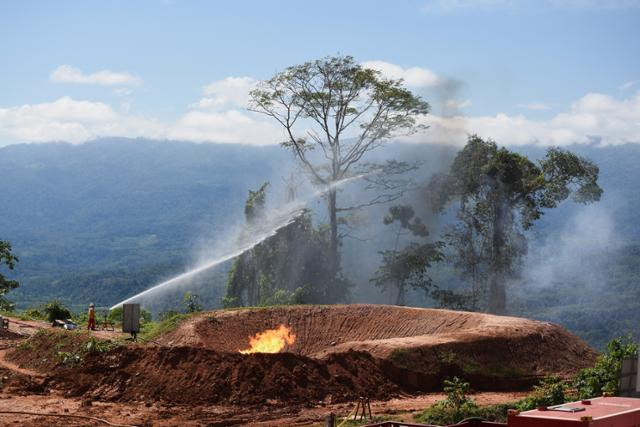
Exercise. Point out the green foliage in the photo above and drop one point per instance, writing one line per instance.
(191, 302)
(34, 313)
(168, 314)
(168, 323)
(605, 375)
(454, 408)
(550, 391)
(291, 267)
(68, 358)
(9, 259)
(407, 267)
(95, 346)
(500, 194)
(85, 239)
(54, 310)
(254, 206)
(346, 111)
(457, 406)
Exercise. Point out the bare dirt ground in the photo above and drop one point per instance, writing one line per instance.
(196, 377)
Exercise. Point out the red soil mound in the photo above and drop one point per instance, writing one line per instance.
(340, 353)
(196, 375)
(422, 340)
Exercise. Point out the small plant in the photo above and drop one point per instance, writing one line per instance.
(191, 302)
(550, 391)
(95, 346)
(605, 375)
(54, 310)
(457, 391)
(447, 357)
(456, 407)
(68, 358)
(34, 313)
(169, 321)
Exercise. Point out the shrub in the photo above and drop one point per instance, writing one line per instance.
(54, 310)
(550, 391)
(605, 375)
(34, 313)
(191, 302)
(456, 407)
(99, 346)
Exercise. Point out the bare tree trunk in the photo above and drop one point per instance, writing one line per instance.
(333, 221)
(400, 299)
(497, 292)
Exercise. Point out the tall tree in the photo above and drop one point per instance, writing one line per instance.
(345, 111)
(243, 281)
(9, 259)
(407, 267)
(288, 267)
(500, 194)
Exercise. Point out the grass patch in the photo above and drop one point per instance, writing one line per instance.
(49, 348)
(401, 356)
(151, 330)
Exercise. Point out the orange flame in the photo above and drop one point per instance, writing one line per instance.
(270, 341)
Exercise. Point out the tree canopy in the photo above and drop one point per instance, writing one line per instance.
(409, 266)
(9, 259)
(333, 111)
(499, 194)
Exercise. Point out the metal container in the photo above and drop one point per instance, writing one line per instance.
(629, 378)
(598, 412)
(131, 318)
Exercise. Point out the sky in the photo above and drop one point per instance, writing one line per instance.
(546, 72)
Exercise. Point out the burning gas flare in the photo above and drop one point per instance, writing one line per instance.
(270, 341)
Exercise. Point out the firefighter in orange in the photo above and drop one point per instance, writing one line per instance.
(92, 318)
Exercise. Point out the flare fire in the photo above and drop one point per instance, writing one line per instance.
(270, 341)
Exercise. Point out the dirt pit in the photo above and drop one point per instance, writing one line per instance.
(388, 349)
(339, 354)
(415, 338)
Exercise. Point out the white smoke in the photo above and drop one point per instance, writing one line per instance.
(575, 254)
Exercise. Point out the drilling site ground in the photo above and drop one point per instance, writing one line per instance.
(196, 374)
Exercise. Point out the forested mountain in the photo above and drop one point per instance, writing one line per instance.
(98, 219)
(102, 220)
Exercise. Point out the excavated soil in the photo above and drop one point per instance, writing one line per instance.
(187, 375)
(340, 353)
(421, 340)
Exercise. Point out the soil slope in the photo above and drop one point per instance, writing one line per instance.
(340, 353)
(422, 340)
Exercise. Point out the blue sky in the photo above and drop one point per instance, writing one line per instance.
(543, 71)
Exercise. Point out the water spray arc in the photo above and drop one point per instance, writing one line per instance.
(275, 221)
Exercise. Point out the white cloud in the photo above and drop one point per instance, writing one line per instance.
(413, 76)
(627, 85)
(226, 127)
(77, 121)
(594, 118)
(454, 104)
(231, 92)
(534, 106)
(220, 117)
(70, 120)
(122, 92)
(70, 74)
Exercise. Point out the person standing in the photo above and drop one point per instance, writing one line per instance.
(92, 318)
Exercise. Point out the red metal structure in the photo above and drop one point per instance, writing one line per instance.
(598, 412)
